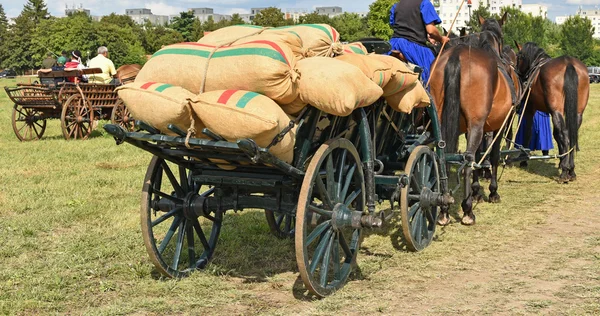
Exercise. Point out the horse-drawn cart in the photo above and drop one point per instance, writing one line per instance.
(343, 168)
(77, 105)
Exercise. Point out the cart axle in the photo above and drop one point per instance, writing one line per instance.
(344, 217)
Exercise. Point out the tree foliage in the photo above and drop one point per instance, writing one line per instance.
(3, 34)
(186, 24)
(270, 17)
(36, 10)
(378, 19)
(236, 19)
(577, 40)
(351, 26)
(314, 18)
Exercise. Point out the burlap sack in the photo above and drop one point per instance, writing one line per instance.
(402, 77)
(378, 71)
(355, 48)
(289, 38)
(295, 107)
(320, 39)
(236, 114)
(334, 86)
(261, 66)
(413, 96)
(159, 105)
(230, 34)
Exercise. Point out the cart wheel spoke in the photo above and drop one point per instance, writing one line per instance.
(323, 193)
(179, 245)
(201, 235)
(189, 232)
(352, 197)
(170, 233)
(318, 231)
(347, 252)
(173, 180)
(348, 181)
(320, 251)
(166, 216)
(320, 211)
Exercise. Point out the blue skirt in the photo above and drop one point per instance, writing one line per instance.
(415, 53)
(541, 136)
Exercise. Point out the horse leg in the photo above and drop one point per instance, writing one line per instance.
(475, 137)
(487, 173)
(572, 175)
(495, 160)
(562, 139)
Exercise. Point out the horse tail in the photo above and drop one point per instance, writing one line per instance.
(451, 111)
(570, 89)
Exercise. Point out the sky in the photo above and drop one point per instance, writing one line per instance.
(163, 7)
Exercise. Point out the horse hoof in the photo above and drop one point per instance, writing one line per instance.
(479, 198)
(468, 220)
(523, 164)
(562, 180)
(443, 220)
(571, 179)
(495, 198)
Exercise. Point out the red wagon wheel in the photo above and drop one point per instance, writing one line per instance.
(121, 116)
(27, 123)
(77, 118)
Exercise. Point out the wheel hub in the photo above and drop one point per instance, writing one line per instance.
(343, 217)
(79, 119)
(193, 206)
(430, 199)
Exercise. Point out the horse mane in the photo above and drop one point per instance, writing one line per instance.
(530, 53)
(489, 42)
(491, 25)
(506, 49)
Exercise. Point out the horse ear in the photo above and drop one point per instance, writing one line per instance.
(445, 31)
(481, 20)
(503, 19)
(463, 31)
(518, 46)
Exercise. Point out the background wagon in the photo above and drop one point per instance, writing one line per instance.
(78, 105)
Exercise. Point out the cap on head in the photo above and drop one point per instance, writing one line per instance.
(61, 60)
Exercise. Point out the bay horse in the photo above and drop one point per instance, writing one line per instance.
(559, 86)
(127, 73)
(473, 95)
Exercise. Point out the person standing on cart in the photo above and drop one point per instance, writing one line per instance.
(414, 23)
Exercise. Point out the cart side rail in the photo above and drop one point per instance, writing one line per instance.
(32, 96)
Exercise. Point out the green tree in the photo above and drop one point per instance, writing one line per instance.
(314, 18)
(154, 37)
(184, 24)
(518, 26)
(577, 40)
(3, 34)
(236, 19)
(351, 27)
(36, 10)
(379, 17)
(122, 43)
(119, 20)
(482, 11)
(270, 17)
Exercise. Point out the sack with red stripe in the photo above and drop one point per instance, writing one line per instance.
(355, 48)
(266, 67)
(159, 104)
(228, 35)
(290, 39)
(402, 76)
(414, 96)
(334, 86)
(378, 71)
(320, 39)
(236, 114)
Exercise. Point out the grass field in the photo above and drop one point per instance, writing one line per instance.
(70, 242)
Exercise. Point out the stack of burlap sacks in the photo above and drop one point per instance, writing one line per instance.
(248, 82)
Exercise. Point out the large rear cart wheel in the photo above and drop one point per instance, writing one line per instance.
(120, 116)
(281, 225)
(418, 218)
(77, 118)
(27, 123)
(327, 235)
(177, 239)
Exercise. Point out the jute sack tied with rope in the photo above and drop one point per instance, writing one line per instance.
(334, 86)
(291, 39)
(407, 99)
(378, 71)
(402, 77)
(237, 114)
(355, 48)
(262, 66)
(159, 104)
(229, 34)
(320, 39)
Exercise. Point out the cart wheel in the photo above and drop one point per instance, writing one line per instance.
(332, 191)
(77, 118)
(178, 242)
(120, 116)
(26, 123)
(281, 225)
(418, 222)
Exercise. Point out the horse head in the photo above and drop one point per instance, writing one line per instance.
(127, 73)
(528, 57)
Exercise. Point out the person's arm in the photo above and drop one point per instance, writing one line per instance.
(111, 69)
(431, 19)
(393, 14)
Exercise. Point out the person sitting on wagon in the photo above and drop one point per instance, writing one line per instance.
(414, 23)
(49, 62)
(76, 63)
(108, 68)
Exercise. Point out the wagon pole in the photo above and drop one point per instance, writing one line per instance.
(444, 44)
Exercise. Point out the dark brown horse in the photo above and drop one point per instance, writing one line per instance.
(127, 73)
(560, 87)
(473, 95)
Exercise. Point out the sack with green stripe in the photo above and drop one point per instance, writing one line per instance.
(291, 39)
(355, 48)
(334, 86)
(378, 71)
(236, 114)
(159, 104)
(402, 76)
(320, 39)
(262, 66)
(414, 96)
(230, 34)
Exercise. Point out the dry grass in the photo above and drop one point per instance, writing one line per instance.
(71, 243)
